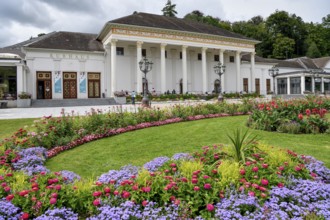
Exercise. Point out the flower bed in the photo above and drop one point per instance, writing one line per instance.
(297, 116)
(271, 184)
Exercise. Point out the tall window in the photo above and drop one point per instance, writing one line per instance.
(308, 84)
(282, 86)
(199, 56)
(120, 51)
(257, 80)
(268, 88)
(326, 82)
(318, 84)
(216, 58)
(180, 55)
(295, 87)
(144, 52)
(231, 59)
(246, 85)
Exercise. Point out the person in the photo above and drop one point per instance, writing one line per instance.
(133, 97)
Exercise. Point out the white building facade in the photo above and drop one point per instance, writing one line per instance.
(66, 65)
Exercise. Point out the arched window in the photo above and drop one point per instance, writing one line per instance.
(181, 86)
(217, 86)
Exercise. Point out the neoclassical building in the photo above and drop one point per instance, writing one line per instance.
(67, 65)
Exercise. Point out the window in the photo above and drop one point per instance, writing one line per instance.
(318, 84)
(246, 85)
(231, 59)
(326, 85)
(144, 52)
(199, 56)
(282, 86)
(268, 89)
(308, 84)
(180, 55)
(216, 58)
(295, 85)
(257, 86)
(120, 51)
(165, 53)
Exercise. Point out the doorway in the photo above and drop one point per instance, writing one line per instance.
(44, 85)
(94, 85)
(69, 85)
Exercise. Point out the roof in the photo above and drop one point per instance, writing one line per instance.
(69, 41)
(173, 23)
(17, 48)
(247, 57)
(321, 62)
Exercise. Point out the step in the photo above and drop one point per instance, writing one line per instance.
(36, 103)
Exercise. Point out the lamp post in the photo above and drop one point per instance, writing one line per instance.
(273, 72)
(315, 74)
(220, 69)
(145, 66)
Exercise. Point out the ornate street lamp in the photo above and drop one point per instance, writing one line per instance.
(145, 66)
(273, 72)
(220, 69)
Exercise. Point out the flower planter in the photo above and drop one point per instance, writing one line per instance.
(120, 100)
(23, 103)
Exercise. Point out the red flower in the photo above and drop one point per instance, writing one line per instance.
(255, 169)
(264, 182)
(25, 216)
(107, 190)
(58, 187)
(300, 116)
(97, 202)
(10, 197)
(264, 165)
(194, 181)
(196, 188)
(125, 194)
(308, 112)
(144, 203)
(280, 185)
(54, 195)
(207, 186)
(210, 207)
(242, 172)
(52, 201)
(97, 194)
(146, 189)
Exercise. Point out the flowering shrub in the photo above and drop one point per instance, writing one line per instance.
(298, 116)
(271, 184)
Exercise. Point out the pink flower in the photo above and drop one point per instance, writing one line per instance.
(58, 187)
(125, 194)
(301, 116)
(194, 181)
(207, 186)
(264, 182)
(107, 190)
(52, 201)
(196, 188)
(210, 207)
(264, 165)
(97, 194)
(146, 189)
(54, 195)
(255, 169)
(9, 197)
(97, 202)
(280, 185)
(297, 168)
(242, 172)
(25, 216)
(262, 189)
(251, 193)
(308, 112)
(144, 203)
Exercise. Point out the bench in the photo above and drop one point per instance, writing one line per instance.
(3, 103)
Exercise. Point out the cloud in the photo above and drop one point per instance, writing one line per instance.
(74, 5)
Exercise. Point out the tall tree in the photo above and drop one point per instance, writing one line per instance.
(169, 9)
(283, 47)
(313, 51)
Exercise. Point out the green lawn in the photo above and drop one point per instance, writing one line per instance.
(9, 126)
(141, 146)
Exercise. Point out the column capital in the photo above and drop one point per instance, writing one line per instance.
(163, 45)
(253, 53)
(222, 50)
(238, 52)
(139, 43)
(113, 42)
(204, 49)
(184, 46)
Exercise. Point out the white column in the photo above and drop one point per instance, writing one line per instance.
(288, 85)
(20, 78)
(184, 70)
(113, 66)
(253, 89)
(322, 85)
(138, 71)
(162, 68)
(221, 59)
(302, 84)
(204, 73)
(107, 71)
(238, 71)
(313, 84)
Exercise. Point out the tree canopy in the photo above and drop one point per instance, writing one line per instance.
(169, 9)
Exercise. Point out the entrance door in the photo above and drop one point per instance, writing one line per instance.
(44, 85)
(69, 85)
(94, 85)
(258, 86)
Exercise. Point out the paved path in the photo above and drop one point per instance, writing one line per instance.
(12, 113)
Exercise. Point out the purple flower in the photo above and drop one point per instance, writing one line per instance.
(124, 173)
(58, 214)
(8, 211)
(182, 156)
(69, 177)
(156, 163)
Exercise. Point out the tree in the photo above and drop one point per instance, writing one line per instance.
(195, 16)
(169, 9)
(313, 51)
(283, 47)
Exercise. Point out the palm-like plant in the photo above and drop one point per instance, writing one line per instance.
(169, 9)
(242, 145)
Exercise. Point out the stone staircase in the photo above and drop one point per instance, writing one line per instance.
(42, 103)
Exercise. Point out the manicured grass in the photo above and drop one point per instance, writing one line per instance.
(9, 126)
(141, 146)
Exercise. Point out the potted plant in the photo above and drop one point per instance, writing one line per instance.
(24, 100)
(120, 97)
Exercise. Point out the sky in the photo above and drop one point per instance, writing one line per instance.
(21, 19)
